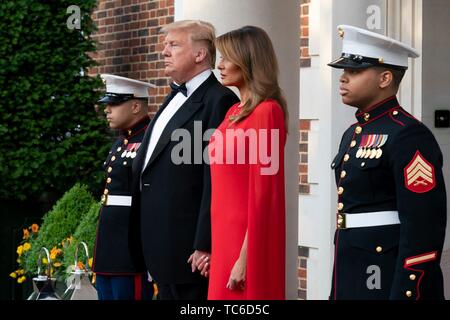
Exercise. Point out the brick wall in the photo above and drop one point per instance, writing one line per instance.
(303, 254)
(129, 43)
(304, 189)
(303, 185)
(305, 59)
(304, 128)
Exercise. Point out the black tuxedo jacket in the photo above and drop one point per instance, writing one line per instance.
(172, 200)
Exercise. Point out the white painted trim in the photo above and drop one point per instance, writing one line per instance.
(404, 22)
(314, 28)
(178, 10)
(417, 63)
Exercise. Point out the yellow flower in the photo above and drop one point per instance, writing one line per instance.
(20, 272)
(44, 261)
(66, 242)
(26, 246)
(34, 228)
(90, 262)
(54, 253)
(13, 275)
(26, 234)
(21, 279)
(57, 264)
(19, 250)
(19, 261)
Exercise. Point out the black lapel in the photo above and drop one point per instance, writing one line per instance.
(185, 112)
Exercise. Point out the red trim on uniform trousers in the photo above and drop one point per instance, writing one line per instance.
(422, 273)
(138, 287)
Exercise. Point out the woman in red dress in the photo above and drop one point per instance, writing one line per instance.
(246, 155)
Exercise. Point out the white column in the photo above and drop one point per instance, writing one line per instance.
(281, 21)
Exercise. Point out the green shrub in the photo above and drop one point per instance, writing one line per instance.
(52, 136)
(59, 224)
(86, 232)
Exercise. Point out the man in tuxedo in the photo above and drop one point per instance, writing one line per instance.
(172, 199)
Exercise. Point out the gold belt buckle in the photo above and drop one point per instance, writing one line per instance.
(341, 221)
(104, 199)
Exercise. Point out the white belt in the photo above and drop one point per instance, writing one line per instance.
(367, 219)
(110, 200)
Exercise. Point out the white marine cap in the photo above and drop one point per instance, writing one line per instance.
(121, 89)
(363, 49)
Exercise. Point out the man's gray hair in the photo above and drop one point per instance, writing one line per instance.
(199, 31)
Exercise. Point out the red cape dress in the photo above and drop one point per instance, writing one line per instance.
(248, 194)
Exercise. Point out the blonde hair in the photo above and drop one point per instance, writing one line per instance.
(252, 51)
(199, 31)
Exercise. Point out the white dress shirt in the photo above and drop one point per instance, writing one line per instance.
(170, 110)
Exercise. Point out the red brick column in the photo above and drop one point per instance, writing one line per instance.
(304, 188)
(303, 254)
(304, 124)
(305, 59)
(303, 185)
(304, 128)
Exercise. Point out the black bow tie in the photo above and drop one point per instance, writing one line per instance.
(179, 88)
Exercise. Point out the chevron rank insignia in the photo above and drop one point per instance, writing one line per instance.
(419, 175)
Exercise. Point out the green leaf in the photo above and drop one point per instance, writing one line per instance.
(44, 98)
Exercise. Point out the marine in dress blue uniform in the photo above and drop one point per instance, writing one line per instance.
(120, 275)
(391, 211)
